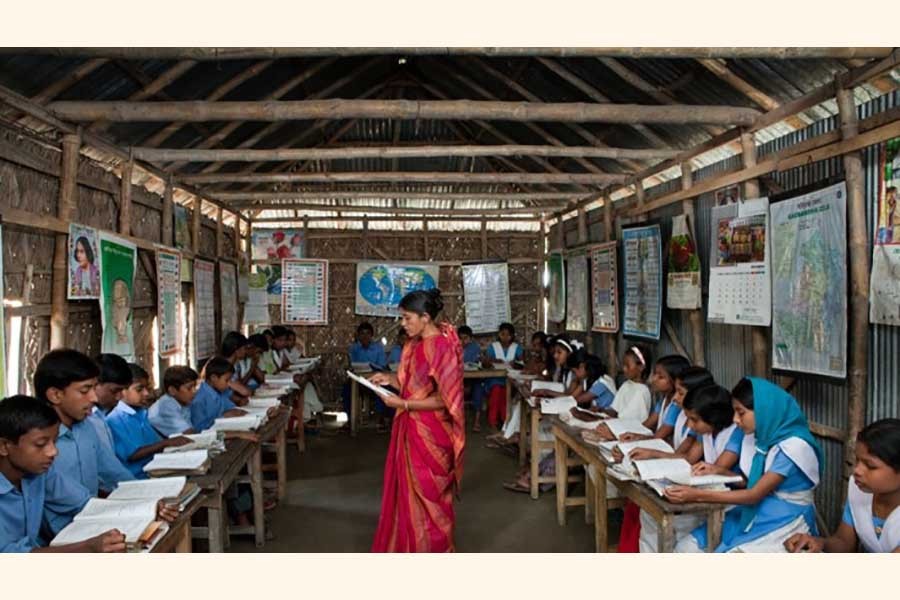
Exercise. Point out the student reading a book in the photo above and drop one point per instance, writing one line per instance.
(66, 379)
(295, 349)
(171, 413)
(135, 439)
(871, 518)
(257, 363)
(783, 465)
(504, 351)
(114, 377)
(596, 389)
(213, 397)
(366, 351)
(474, 389)
(538, 360)
(632, 399)
(234, 349)
(279, 348)
(665, 411)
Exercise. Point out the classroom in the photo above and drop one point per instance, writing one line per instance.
(414, 299)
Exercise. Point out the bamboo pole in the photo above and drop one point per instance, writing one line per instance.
(241, 200)
(639, 194)
(454, 110)
(858, 331)
(542, 240)
(237, 239)
(68, 193)
(408, 177)
(425, 238)
(461, 212)
(390, 152)
(695, 317)
(609, 236)
(582, 226)
(759, 335)
(475, 217)
(125, 198)
(168, 217)
(220, 233)
(196, 220)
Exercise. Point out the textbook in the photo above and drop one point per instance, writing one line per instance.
(249, 422)
(264, 403)
(173, 491)
(558, 405)
(381, 391)
(520, 376)
(547, 385)
(205, 440)
(192, 462)
(677, 471)
(268, 391)
(572, 420)
(135, 519)
(621, 426)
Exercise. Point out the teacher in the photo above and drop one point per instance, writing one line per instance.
(424, 461)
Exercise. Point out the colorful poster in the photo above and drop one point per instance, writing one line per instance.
(168, 301)
(739, 283)
(642, 247)
(182, 228)
(884, 292)
(604, 283)
(118, 262)
(809, 282)
(204, 308)
(272, 273)
(84, 259)
(304, 292)
(556, 310)
(381, 286)
(275, 244)
(577, 292)
(683, 290)
(486, 296)
(256, 310)
(228, 295)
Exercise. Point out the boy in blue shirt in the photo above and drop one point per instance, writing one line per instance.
(30, 485)
(135, 439)
(66, 379)
(472, 354)
(397, 349)
(370, 352)
(114, 377)
(171, 414)
(212, 400)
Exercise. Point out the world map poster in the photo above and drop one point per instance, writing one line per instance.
(809, 283)
(381, 286)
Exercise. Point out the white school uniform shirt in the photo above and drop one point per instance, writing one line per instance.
(241, 368)
(632, 401)
(802, 455)
(682, 431)
(713, 448)
(508, 355)
(861, 509)
(663, 408)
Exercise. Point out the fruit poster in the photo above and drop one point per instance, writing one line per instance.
(683, 290)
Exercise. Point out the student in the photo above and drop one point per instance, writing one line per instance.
(234, 349)
(114, 377)
(30, 485)
(66, 379)
(597, 390)
(279, 348)
(212, 399)
(632, 399)
(135, 439)
(171, 414)
(871, 516)
(470, 348)
(367, 351)
(294, 350)
(258, 361)
(538, 356)
(782, 463)
(471, 352)
(504, 351)
(665, 412)
(397, 349)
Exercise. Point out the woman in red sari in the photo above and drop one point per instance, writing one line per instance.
(423, 468)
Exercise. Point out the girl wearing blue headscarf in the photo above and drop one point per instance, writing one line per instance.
(782, 464)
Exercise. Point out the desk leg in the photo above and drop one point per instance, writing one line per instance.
(601, 516)
(666, 535)
(508, 399)
(215, 512)
(523, 430)
(354, 408)
(561, 452)
(301, 424)
(588, 497)
(254, 467)
(714, 529)
(281, 461)
(535, 453)
(184, 545)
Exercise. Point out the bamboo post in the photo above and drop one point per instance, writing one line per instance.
(484, 240)
(759, 335)
(125, 198)
(220, 233)
(609, 236)
(365, 236)
(694, 316)
(425, 237)
(858, 333)
(196, 219)
(236, 235)
(582, 226)
(68, 190)
(561, 234)
(542, 240)
(168, 209)
(639, 193)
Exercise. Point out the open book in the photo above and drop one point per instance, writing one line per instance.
(193, 462)
(263, 403)
(547, 385)
(558, 405)
(205, 440)
(174, 491)
(660, 473)
(135, 519)
(268, 391)
(381, 391)
(621, 426)
(248, 422)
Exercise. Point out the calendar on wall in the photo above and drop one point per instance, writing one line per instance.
(740, 289)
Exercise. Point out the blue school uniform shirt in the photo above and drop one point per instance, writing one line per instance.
(671, 416)
(209, 405)
(603, 396)
(489, 383)
(847, 517)
(394, 357)
(131, 431)
(472, 352)
(374, 354)
(23, 511)
(98, 420)
(168, 416)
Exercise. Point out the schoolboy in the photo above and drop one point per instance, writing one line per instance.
(171, 414)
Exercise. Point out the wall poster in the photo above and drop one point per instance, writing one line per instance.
(604, 287)
(118, 262)
(168, 301)
(304, 291)
(486, 295)
(642, 247)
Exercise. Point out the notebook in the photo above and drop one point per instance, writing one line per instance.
(193, 462)
(361, 367)
(270, 392)
(135, 519)
(471, 366)
(572, 421)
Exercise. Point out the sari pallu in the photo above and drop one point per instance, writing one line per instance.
(424, 461)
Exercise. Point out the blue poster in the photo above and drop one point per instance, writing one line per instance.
(642, 248)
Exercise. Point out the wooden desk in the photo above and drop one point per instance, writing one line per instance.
(274, 435)
(569, 438)
(178, 537)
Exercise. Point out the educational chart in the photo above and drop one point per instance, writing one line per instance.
(228, 294)
(304, 292)
(381, 286)
(182, 228)
(272, 273)
(556, 265)
(809, 282)
(604, 284)
(276, 244)
(577, 292)
(118, 261)
(884, 293)
(643, 281)
(739, 285)
(205, 307)
(486, 296)
(168, 301)
(683, 291)
(256, 310)
(84, 272)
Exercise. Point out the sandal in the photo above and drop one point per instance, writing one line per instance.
(516, 487)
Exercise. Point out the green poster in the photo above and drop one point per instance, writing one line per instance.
(557, 294)
(118, 261)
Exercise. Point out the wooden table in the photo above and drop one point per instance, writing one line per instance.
(470, 375)
(178, 537)
(568, 438)
(529, 426)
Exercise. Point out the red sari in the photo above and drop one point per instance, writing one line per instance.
(424, 461)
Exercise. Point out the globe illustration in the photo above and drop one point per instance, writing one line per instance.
(381, 286)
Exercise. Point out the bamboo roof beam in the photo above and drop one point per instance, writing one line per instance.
(406, 177)
(60, 85)
(418, 211)
(241, 200)
(473, 216)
